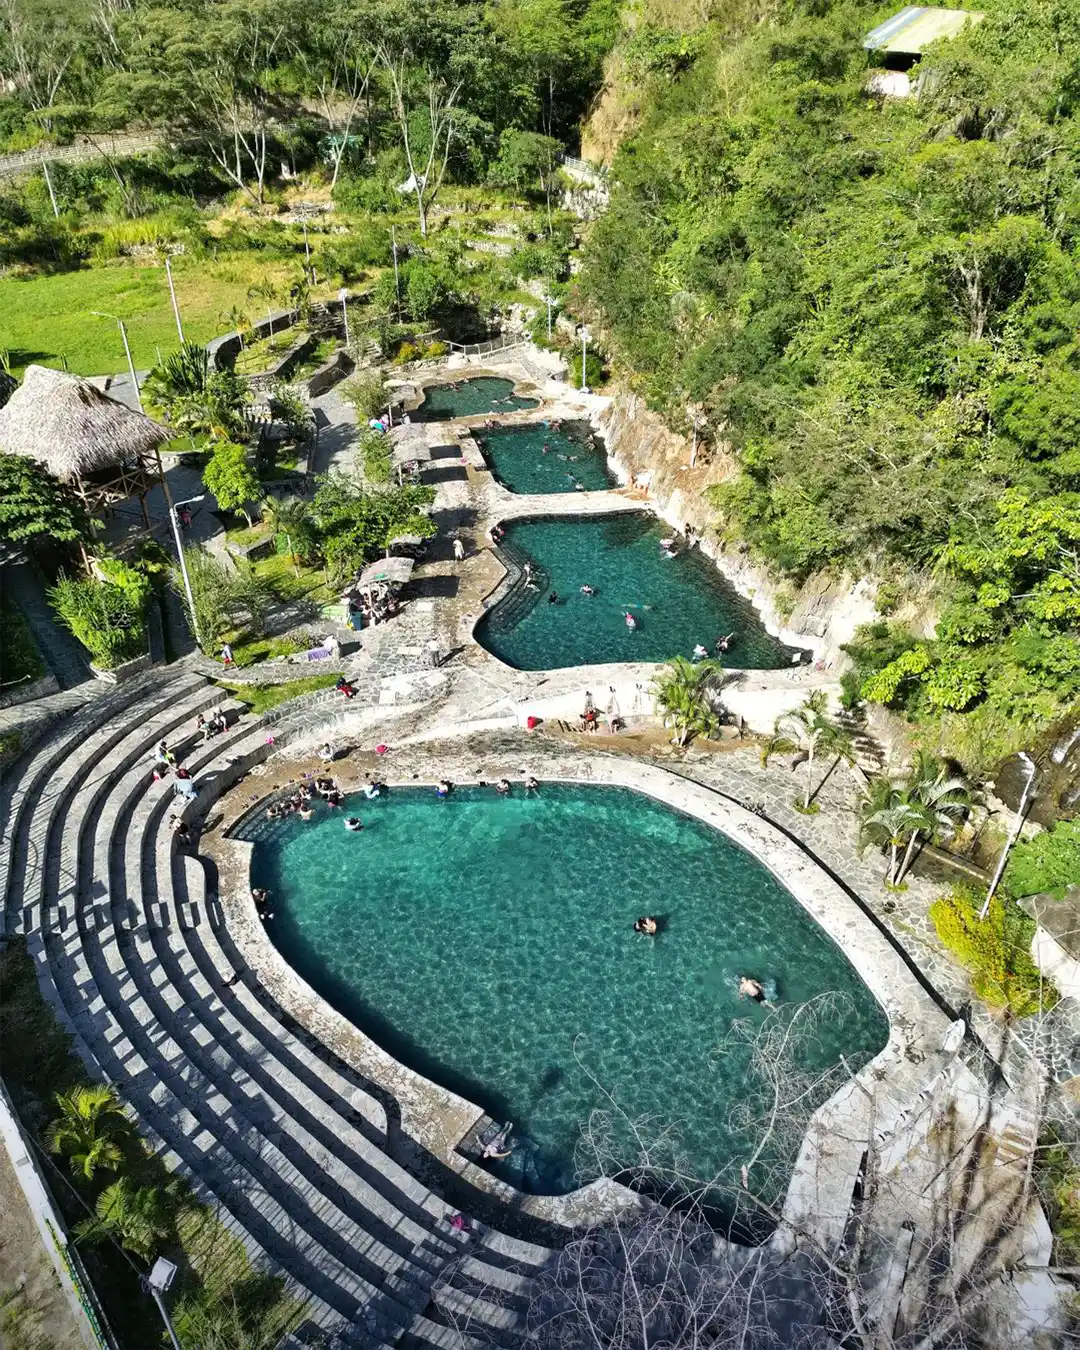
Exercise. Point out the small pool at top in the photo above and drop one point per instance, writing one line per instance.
(466, 398)
(537, 457)
(676, 602)
(488, 943)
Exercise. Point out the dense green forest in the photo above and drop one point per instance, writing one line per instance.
(878, 304)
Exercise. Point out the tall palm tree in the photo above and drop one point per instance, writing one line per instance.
(806, 733)
(141, 1218)
(270, 291)
(937, 799)
(239, 320)
(686, 697)
(886, 816)
(291, 517)
(91, 1129)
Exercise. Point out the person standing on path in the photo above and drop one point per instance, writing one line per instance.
(459, 551)
(433, 651)
(226, 655)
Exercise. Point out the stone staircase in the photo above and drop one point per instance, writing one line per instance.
(287, 1144)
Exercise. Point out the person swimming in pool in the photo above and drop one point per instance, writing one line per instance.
(502, 787)
(442, 788)
(354, 823)
(588, 590)
(631, 622)
(500, 1146)
(646, 924)
(753, 989)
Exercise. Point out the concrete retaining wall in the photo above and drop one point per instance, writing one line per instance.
(70, 1275)
(28, 693)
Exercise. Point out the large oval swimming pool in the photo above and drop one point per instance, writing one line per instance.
(488, 943)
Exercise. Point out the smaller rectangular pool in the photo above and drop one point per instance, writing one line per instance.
(468, 398)
(542, 458)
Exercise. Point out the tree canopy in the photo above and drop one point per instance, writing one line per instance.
(876, 302)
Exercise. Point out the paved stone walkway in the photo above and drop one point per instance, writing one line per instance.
(62, 654)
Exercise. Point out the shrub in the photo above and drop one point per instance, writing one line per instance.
(1049, 862)
(106, 619)
(375, 457)
(996, 950)
(408, 351)
(435, 349)
(367, 394)
(594, 370)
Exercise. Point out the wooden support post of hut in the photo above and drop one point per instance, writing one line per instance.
(102, 450)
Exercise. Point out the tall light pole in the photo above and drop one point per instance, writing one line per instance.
(158, 1281)
(549, 301)
(100, 314)
(1021, 811)
(175, 522)
(343, 295)
(175, 306)
(584, 344)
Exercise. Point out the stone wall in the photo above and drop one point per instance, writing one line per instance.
(821, 615)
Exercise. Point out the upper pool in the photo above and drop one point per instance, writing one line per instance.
(676, 602)
(466, 398)
(488, 944)
(536, 457)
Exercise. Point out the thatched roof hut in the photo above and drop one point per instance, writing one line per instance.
(103, 450)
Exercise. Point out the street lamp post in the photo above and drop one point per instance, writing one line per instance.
(549, 301)
(127, 352)
(342, 295)
(175, 306)
(1021, 811)
(174, 520)
(584, 344)
(157, 1282)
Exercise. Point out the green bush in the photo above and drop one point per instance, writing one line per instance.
(996, 950)
(594, 370)
(434, 350)
(366, 392)
(1049, 862)
(408, 351)
(19, 656)
(375, 457)
(107, 619)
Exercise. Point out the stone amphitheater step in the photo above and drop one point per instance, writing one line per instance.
(127, 761)
(269, 1131)
(36, 793)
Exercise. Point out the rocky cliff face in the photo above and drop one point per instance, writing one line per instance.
(822, 614)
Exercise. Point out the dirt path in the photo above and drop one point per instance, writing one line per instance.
(33, 1312)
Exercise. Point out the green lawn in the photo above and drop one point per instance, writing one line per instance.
(48, 318)
(261, 698)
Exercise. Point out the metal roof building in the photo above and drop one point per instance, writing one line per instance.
(910, 32)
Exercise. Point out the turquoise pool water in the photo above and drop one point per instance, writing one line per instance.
(677, 602)
(488, 943)
(574, 458)
(469, 397)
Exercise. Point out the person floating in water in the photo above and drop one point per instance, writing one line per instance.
(631, 622)
(354, 823)
(500, 1146)
(372, 790)
(442, 788)
(588, 590)
(553, 598)
(723, 644)
(646, 924)
(502, 787)
(700, 653)
(531, 785)
(753, 989)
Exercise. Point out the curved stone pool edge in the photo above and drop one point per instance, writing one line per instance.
(825, 1171)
